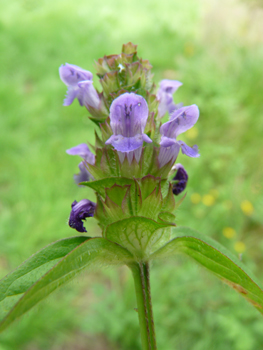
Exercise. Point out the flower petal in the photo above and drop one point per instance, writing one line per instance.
(83, 151)
(167, 141)
(83, 175)
(165, 96)
(181, 179)
(128, 115)
(146, 138)
(89, 95)
(167, 154)
(189, 151)
(80, 211)
(169, 86)
(72, 93)
(71, 75)
(127, 144)
(180, 121)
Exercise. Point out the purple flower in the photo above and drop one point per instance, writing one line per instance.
(180, 121)
(79, 212)
(181, 179)
(80, 86)
(165, 96)
(83, 175)
(128, 117)
(90, 95)
(84, 152)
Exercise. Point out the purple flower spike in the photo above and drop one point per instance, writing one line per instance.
(165, 96)
(128, 117)
(180, 121)
(79, 83)
(181, 177)
(79, 212)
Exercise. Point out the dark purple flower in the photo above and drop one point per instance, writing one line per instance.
(84, 152)
(181, 179)
(128, 117)
(80, 86)
(165, 96)
(79, 212)
(180, 121)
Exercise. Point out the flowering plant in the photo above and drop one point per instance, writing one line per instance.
(132, 169)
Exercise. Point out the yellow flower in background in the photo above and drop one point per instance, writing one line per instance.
(247, 207)
(229, 232)
(192, 133)
(240, 247)
(208, 200)
(195, 198)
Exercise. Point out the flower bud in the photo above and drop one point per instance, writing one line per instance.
(79, 212)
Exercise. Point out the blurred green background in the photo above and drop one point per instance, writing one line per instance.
(216, 49)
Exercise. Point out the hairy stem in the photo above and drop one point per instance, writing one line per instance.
(141, 276)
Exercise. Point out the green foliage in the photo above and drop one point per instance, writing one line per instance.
(71, 257)
(216, 259)
(58, 263)
(14, 285)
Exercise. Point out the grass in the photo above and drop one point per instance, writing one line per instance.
(217, 52)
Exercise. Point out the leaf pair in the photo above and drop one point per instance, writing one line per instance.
(59, 262)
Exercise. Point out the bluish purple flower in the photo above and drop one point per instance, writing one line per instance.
(128, 118)
(84, 152)
(181, 179)
(83, 175)
(79, 212)
(80, 86)
(180, 121)
(165, 96)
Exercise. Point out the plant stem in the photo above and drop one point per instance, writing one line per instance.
(141, 276)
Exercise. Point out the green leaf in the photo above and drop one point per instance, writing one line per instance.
(215, 258)
(38, 277)
(138, 234)
(17, 282)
